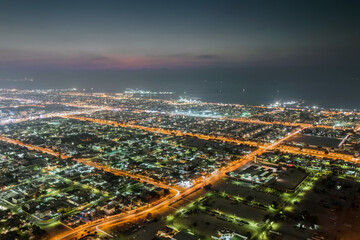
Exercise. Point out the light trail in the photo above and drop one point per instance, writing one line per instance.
(344, 140)
(103, 232)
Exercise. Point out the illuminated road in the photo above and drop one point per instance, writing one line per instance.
(176, 194)
(321, 153)
(244, 120)
(87, 162)
(173, 190)
(248, 120)
(163, 206)
(215, 176)
(49, 115)
(69, 104)
(23, 105)
(317, 153)
(155, 208)
(164, 131)
(150, 207)
(288, 149)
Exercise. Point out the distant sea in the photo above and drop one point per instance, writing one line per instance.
(324, 87)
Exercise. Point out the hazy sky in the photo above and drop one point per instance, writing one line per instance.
(274, 49)
(149, 34)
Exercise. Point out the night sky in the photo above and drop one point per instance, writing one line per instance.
(276, 45)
